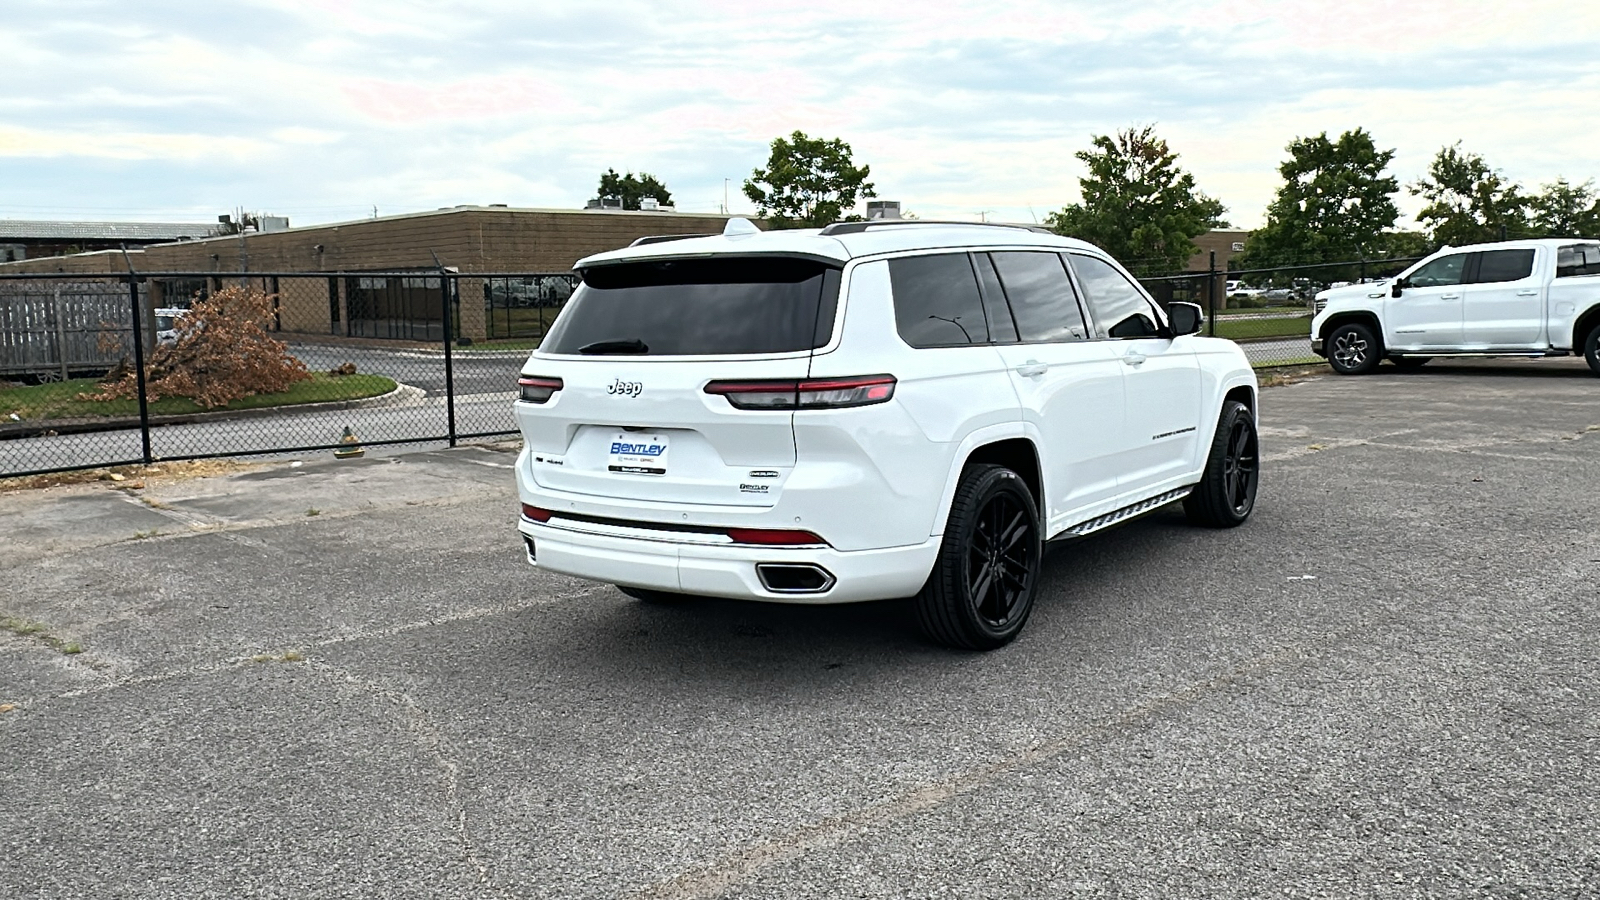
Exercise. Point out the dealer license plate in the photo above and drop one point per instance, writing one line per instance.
(638, 453)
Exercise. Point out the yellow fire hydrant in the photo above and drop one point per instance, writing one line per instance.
(349, 447)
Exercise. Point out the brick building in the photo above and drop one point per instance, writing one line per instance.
(388, 301)
(22, 239)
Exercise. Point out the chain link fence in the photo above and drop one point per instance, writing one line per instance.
(392, 358)
(1267, 311)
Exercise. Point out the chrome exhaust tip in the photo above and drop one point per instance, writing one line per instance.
(794, 578)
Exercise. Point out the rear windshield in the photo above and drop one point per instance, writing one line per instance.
(699, 307)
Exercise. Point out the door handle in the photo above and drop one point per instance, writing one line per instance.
(1527, 293)
(1449, 296)
(1133, 358)
(1033, 367)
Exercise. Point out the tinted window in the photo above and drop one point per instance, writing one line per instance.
(1002, 328)
(1504, 265)
(1443, 271)
(695, 307)
(936, 302)
(1118, 308)
(1041, 295)
(1578, 259)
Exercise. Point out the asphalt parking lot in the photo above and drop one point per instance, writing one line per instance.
(341, 679)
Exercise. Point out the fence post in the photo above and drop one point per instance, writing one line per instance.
(138, 357)
(1211, 295)
(446, 288)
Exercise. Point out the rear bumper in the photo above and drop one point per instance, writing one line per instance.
(728, 570)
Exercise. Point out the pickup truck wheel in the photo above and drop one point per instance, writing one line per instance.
(981, 589)
(1353, 349)
(1410, 362)
(1591, 349)
(1227, 490)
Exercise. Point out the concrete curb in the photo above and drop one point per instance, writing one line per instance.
(403, 394)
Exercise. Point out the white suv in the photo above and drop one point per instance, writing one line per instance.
(869, 411)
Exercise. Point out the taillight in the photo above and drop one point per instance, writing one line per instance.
(817, 393)
(774, 537)
(535, 513)
(532, 389)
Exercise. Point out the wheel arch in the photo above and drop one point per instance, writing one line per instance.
(1010, 446)
(1584, 324)
(1362, 317)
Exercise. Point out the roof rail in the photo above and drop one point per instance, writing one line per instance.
(858, 227)
(663, 238)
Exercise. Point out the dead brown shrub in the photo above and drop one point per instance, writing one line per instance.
(223, 353)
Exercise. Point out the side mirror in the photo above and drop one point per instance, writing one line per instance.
(1396, 288)
(1184, 318)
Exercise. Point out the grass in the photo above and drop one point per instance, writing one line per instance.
(286, 656)
(62, 400)
(502, 344)
(1299, 309)
(41, 633)
(1242, 329)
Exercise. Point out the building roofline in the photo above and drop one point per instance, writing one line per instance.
(453, 210)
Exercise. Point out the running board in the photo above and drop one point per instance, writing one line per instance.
(1480, 354)
(1123, 514)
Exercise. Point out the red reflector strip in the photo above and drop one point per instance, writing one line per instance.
(554, 384)
(845, 384)
(773, 537)
(535, 513)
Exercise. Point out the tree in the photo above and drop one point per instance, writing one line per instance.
(1138, 204)
(1335, 203)
(633, 188)
(1468, 202)
(808, 183)
(1567, 210)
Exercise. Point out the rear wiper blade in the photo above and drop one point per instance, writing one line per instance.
(626, 345)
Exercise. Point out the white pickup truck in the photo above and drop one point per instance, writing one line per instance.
(1514, 298)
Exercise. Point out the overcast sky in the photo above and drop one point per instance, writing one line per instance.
(324, 109)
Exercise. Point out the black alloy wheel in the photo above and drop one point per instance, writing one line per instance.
(982, 587)
(999, 563)
(1591, 349)
(1227, 490)
(1353, 349)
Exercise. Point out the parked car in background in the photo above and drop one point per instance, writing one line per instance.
(1513, 298)
(169, 321)
(870, 411)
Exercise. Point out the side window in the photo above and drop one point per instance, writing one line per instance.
(1504, 265)
(1575, 260)
(1041, 295)
(1445, 270)
(1002, 327)
(1118, 308)
(936, 302)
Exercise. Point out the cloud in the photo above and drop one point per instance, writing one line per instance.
(322, 107)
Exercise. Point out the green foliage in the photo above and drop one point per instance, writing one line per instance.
(1335, 203)
(74, 399)
(633, 188)
(1567, 210)
(1137, 203)
(808, 183)
(1468, 202)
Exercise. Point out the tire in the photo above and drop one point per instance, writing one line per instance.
(1411, 362)
(1227, 490)
(1353, 349)
(1591, 349)
(645, 595)
(982, 587)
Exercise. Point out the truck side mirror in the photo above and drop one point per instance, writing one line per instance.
(1184, 318)
(1396, 288)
